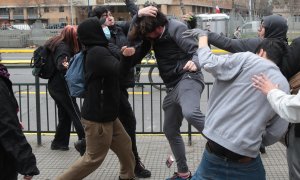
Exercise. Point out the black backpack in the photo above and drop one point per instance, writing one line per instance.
(42, 63)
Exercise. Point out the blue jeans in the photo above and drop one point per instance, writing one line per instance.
(216, 168)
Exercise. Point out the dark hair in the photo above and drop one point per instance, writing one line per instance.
(147, 24)
(148, 3)
(99, 11)
(276, 50)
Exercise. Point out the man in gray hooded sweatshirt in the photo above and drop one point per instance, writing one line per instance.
(273, 26)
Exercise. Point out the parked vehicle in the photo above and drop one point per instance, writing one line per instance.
(213, 22)
(60, 25)
(249, 29)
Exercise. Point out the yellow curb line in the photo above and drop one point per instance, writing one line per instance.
(23, 61)
(16, 50)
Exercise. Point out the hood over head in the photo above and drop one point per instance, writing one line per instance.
(90, 32)
(275, 27)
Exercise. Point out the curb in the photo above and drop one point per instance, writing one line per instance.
(16, 50)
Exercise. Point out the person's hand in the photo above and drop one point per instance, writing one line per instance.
(148, 11)
(127, 51)
(262, 83)
(196, 33)
(187, 17)
(27, 177)
(65, 63)
(190, 66)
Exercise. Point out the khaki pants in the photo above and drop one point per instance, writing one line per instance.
(100, 137)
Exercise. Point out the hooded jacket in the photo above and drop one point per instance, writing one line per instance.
(275, 27)
(102, 71)
(15, 153)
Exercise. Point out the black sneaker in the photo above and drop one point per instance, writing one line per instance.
(80, 146)
(140, 170)
(58, 147)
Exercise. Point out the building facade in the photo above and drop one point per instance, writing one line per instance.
(74, 11)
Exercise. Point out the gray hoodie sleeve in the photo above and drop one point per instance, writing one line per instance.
(275, 129)
(222, 67)
(233, 45)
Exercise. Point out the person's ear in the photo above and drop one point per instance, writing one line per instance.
(262, 53)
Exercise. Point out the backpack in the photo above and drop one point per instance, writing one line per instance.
(42, 63)
(75, 75)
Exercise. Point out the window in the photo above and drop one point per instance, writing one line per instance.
(61, 9)
(4, 11)
(46, 9)
(18, 11)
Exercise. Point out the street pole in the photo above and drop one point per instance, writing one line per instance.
(88, 8)
(72, 12)
(250, 10)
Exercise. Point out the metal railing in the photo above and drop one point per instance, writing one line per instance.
(38, 112)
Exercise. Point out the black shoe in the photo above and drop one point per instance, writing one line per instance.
(58, 147)
(140, 170)
(80, 146)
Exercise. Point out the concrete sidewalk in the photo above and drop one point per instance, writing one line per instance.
(153, 150)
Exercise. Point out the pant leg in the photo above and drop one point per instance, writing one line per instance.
(69, 108)
(128, 119)
(189, 94)
(98, 141)
(62, 133)
(293, 154)
(172, 123)
(121, 146)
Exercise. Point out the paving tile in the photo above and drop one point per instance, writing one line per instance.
(153, 150)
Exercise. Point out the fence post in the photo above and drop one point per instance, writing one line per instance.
(38, 110)
(189, 134)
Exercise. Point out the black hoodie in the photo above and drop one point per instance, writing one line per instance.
(275, 27)
(102, 71)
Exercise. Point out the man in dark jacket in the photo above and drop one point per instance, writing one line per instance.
(118, 39)
(179, 68)
(100, 108)
(15, 153)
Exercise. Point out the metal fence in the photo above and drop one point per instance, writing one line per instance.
(37, 36)
(25, 38)
(38, 112)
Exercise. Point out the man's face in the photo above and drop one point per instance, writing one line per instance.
(261, 30)
(155, 34)
(110, 20)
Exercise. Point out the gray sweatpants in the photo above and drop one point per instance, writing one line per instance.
(293, 154)
(182, 102)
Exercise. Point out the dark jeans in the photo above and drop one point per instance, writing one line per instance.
(217, 168)
(68, 111)
(128, 119)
